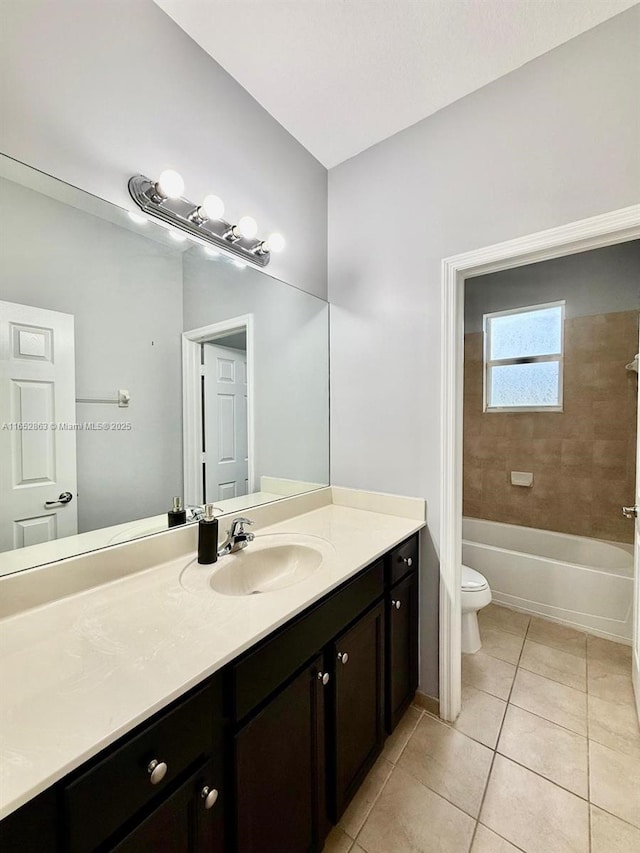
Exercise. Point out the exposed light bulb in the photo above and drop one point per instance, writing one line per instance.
(276, 243)
(248, 227)
(209, 250)
(178, 236)
(170, 184)
(135, 217)
(212, 207)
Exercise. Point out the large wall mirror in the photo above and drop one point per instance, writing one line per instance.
(134, 368)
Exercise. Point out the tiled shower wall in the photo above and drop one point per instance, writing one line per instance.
(582, 459)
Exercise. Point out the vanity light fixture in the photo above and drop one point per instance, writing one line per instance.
(164, 200)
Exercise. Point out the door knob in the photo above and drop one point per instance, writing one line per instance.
(630, 511)
(64, 498)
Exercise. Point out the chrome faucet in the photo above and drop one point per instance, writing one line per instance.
(237, 537)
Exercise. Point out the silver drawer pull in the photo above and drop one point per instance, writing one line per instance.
(157, 770)
(396, 604)
(408, 561)
(210, 796)
(343, 657)
(324, 678)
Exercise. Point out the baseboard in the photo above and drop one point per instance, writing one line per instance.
(427, 703)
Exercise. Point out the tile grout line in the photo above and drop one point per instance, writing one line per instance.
(495, 749)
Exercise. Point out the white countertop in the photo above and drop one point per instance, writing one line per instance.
(79, 672)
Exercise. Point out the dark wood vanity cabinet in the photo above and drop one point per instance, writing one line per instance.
(357, 705)
(284, 734)
(280, 769)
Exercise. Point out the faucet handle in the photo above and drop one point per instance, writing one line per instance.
(237, 525)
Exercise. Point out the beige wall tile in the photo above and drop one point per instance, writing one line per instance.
(533, 813)
(409, 818)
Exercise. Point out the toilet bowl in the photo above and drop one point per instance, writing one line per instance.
(475, 595)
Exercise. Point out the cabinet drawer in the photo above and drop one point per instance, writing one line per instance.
(264, 670)
(102, 799)
(402, 559)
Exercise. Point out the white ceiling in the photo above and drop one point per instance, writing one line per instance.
(341, 75)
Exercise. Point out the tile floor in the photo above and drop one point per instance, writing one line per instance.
(544, 758)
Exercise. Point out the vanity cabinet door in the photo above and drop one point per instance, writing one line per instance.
(189, 821)
(280, 770)
(402, 648)
(358, 705)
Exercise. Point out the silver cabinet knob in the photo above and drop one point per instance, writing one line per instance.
(343, 657)
(396, 604)
(408, 561)
(157, 770)
(324, 678)
(210, 796)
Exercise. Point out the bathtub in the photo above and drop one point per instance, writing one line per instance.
(581, 582)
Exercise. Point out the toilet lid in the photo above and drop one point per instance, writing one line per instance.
(472, 580)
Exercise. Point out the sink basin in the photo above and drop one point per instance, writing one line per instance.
(271, 562)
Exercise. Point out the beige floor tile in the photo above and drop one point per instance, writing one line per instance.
(532, 813)
(614, 725)
(403, 731)
(409, 818)
(615, 782)
(609, 834)
(555, 753)
(354, 817)
(551, 700)
(502, 617)
(486, 841)
(337, 842)
(449, 763)
(608, 681)
(481, 715)
(617, 655)
(489, 674)
(357, 849)
(500, 643)
(557, 636)
(554, 664)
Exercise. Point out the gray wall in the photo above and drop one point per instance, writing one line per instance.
(93, 92)
(553, 142)
(598, 282)
(125, 292)
(291, 388)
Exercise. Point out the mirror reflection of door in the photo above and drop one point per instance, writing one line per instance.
(37, 400)
(224, 417)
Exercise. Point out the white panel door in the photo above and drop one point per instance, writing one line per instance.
(224, 414)
(37, 395)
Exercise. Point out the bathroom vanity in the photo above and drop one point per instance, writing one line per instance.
(266, 750)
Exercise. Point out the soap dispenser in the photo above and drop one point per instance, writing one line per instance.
(177, 515)
(208, 537)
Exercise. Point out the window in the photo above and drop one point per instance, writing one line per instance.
(523, 351)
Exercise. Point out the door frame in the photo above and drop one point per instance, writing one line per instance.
(617, 226)
(192, 402)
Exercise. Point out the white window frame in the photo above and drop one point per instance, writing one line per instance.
(527, 359)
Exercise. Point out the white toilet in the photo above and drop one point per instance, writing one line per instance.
(475, 595)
